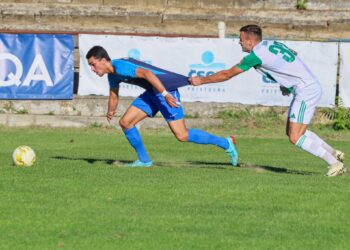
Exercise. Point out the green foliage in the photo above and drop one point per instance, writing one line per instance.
(96, 125)
(251, 119)
(228, 114)
(192, 116)
(8, 106)
(22, 111)
(339, 115)
(301, 4)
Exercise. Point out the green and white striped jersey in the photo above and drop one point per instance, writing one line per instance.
(277, 62)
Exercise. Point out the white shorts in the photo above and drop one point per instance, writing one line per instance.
(304, 103)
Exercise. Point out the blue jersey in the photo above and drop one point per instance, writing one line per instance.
(125, 71)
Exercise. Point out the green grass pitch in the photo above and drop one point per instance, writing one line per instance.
(76, 197)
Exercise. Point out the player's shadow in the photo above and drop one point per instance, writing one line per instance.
(91, 160)
(202, 164)
(223, 165)
(279, 170)
(210, 165)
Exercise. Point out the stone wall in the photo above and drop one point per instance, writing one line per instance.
(91, 111)
(322, 19)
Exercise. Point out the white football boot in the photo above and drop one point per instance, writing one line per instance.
(336, 169)
(339, 155)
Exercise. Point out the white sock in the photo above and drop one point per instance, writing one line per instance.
(315, 148)
(315, 137)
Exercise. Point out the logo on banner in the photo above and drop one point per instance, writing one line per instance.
(133, 89)
(136, 54)
(207, 67)
(37, 71)
(269, 85)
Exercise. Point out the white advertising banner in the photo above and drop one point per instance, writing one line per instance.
(205, 56)
(344, 74)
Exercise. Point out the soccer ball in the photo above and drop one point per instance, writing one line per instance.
(23, 156)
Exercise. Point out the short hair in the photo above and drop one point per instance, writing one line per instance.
(252, 29)
(98, 52)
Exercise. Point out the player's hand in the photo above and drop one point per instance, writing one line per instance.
(110, 116)
(195, 81)
(172, 101)
(285, 91)
(294, 52)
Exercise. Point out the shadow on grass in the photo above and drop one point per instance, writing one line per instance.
(210, 165)
(198, 164)
(275, 169)
(217, 165)
(91, 160)
(258, 168)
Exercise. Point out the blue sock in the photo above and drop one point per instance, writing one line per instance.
(134, 138)
(202, 137)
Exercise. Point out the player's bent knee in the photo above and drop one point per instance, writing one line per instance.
(124, 124)
(294, 138)
(183, 137)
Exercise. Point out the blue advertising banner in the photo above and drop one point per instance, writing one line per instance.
(36, 66)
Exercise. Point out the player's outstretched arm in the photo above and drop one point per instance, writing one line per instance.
(220, 76)
(112, 103)
(150, 77)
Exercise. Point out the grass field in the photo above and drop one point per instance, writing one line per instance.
(76, 198)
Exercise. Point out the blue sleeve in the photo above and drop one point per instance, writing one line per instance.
(125, 68)
(113, 81)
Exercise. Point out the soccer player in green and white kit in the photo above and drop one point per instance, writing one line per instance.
(277, 61)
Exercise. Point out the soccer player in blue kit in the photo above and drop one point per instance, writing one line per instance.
(161, 94)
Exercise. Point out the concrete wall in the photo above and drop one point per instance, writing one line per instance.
(88, 111)
(215, 4)
(322, 19)
(97, 106)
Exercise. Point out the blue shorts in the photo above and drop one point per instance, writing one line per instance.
(151, 102)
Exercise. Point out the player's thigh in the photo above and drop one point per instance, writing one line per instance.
(146, 103)
(287, 127)
(302, 110)
(131, 117)
(142, 107)
(299, 116)
(169, 113)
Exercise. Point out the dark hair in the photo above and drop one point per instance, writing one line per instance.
(98, 52)
(252, 29)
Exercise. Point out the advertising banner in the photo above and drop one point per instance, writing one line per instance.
(202, 57)
(344, 74)
(36, 66)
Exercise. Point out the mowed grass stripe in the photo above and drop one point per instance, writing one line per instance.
(75, 197)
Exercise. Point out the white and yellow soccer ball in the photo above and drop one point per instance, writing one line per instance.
(23, 156)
